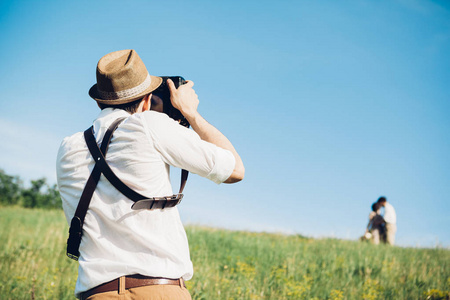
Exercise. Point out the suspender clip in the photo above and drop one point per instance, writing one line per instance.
(74, 240)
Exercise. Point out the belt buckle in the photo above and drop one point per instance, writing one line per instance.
(182, 285)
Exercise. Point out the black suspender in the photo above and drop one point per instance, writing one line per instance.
(101, 166)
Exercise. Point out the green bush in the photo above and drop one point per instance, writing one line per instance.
(39, 195)
(10, 189)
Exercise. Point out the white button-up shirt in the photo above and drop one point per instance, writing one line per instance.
(119, 241)
(389, 214)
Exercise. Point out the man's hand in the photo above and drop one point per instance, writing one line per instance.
(184, 98)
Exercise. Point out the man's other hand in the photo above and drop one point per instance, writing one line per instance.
(184, 98)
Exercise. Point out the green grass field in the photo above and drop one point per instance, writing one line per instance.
(231, 265)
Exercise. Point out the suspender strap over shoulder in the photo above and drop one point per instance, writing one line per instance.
(76, 225)
(99, 158)
(101, 166)
(91, 184)
(144, 202)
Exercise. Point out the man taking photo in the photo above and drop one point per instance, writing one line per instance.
(144, 253)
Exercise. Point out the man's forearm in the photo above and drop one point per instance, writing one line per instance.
(186, 101)
(209, 133)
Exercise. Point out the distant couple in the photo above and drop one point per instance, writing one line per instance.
(382, 227)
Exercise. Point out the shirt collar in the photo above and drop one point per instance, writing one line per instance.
(105, 118)
(113, 113)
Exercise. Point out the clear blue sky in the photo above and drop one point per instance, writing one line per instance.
(330, 104)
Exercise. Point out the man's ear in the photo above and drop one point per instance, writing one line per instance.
(147, 102)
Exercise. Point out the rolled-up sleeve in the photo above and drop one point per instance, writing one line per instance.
(183, 148)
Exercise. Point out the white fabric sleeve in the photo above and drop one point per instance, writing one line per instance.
(183, 148)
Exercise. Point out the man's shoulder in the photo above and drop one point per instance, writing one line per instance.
(71, 142)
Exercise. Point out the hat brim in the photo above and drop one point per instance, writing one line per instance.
(155, 83)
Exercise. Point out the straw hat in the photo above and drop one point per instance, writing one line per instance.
(122, 78)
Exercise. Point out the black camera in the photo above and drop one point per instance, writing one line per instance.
(161, 99)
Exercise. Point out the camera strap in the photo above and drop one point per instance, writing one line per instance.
(102, 167)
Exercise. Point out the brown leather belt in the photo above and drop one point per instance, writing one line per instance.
(131, 281)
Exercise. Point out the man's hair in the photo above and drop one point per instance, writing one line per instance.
(381, 199)
(128, 107)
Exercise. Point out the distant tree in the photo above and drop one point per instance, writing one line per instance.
(32, 196)
(40, 194)
(53, 197)
(10, 189)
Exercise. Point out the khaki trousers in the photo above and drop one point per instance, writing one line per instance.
(150, 292)
(391, 229)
